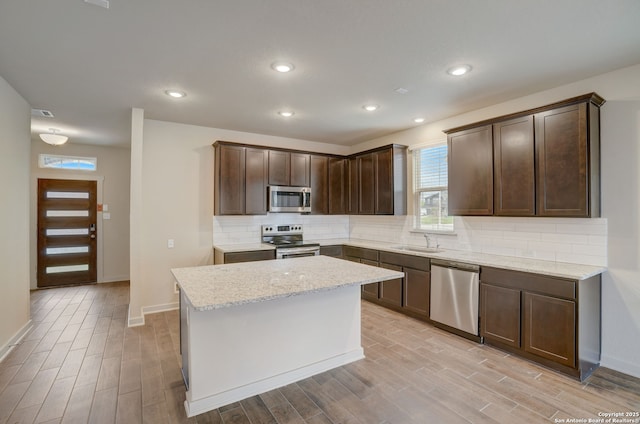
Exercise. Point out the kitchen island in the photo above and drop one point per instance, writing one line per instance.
(248, 328)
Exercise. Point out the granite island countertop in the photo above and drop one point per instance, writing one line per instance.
(512, 263)
(220, 286)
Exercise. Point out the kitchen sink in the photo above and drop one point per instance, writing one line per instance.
(419, 249)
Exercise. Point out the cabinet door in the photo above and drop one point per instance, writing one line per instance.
(562, 162)
(549, 328)
(500, 314)
(256, 176)
(300, 169)
(471, 172)
(366, 184)
(370, 291)
(513, 161)
(391, 290)
(279, 168)
(319, 185)
(230, 165)
(337, 186)
(353, 186)
(416, 291)
(383, 171)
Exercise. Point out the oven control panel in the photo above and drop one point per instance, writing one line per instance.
(273, 229)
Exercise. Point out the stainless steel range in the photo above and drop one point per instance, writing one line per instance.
(288, 241)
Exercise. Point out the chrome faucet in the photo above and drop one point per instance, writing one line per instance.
(426, 237)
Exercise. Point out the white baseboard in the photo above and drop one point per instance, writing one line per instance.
(195, 407)
(115, 278)
(13, 341)
(137, 321)
(620, 365)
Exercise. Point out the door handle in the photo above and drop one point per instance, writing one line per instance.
(93, 236)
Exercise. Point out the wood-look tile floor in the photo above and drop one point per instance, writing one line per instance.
(80, 363)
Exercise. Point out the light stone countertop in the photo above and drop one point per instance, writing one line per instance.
(220, 286)
(244, 247)
(537, 266)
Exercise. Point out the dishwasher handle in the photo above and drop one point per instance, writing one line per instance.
(456, 265)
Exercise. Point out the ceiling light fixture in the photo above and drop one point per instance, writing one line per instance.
(418, 120)
(175, 94)
(370, 108)
(286, 113)
(459, 70)
(54, 138)
(283, 67)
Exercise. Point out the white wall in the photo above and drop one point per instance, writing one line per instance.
(621, 206)
(112, 175)
(172, 169)
(15, 121)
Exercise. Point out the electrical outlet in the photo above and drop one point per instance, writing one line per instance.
(170, 243)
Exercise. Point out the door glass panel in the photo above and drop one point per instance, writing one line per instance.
(67, 214)
(67, 195)
(67, 268)
(67, 232)
(65, 250)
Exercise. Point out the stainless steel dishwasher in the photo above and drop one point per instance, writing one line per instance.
(454, 296)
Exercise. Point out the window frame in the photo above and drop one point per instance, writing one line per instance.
(72, 159)
(417, 193)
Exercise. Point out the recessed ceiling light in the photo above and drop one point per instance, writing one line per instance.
(418, 120)
(283, 67)
(457, 71)
(370, 108)
(286, 113)
(175, 94)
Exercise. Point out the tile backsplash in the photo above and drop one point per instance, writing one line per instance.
(246, 229)
(573, 240)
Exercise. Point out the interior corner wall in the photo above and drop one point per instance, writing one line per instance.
(112, 174)
(15, 121)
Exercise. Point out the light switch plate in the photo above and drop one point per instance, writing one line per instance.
(106, 215)
(170, 243)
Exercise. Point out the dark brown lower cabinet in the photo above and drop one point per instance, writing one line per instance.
(417, 291)
(411, 293)
(220, 257)
(391, 290)
(549, 328)
(553, 321)
(332, 250)
(367, 257)
(500, 313)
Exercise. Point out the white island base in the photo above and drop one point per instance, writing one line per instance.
(237, 352)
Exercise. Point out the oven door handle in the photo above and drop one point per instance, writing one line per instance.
(292, 251)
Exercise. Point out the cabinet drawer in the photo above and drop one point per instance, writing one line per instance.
(415, 262)
(534, 283)
(360, 252)
(256, 255)
(335, 251)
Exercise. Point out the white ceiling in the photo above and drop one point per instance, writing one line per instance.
(90, 66)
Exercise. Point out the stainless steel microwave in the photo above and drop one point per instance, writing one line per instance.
(289, 199)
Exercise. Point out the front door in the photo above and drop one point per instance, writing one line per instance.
(66, 232)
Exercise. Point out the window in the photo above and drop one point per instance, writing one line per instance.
(74, 163)
(431, 191)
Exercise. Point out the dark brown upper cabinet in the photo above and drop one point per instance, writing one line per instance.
(568, 161)
(352, 186)
(319, 184)
(471, 171)
(381, 181)
(514, 168)
(240, 180)
(288, 168)
(337, 186)
(545, 162)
